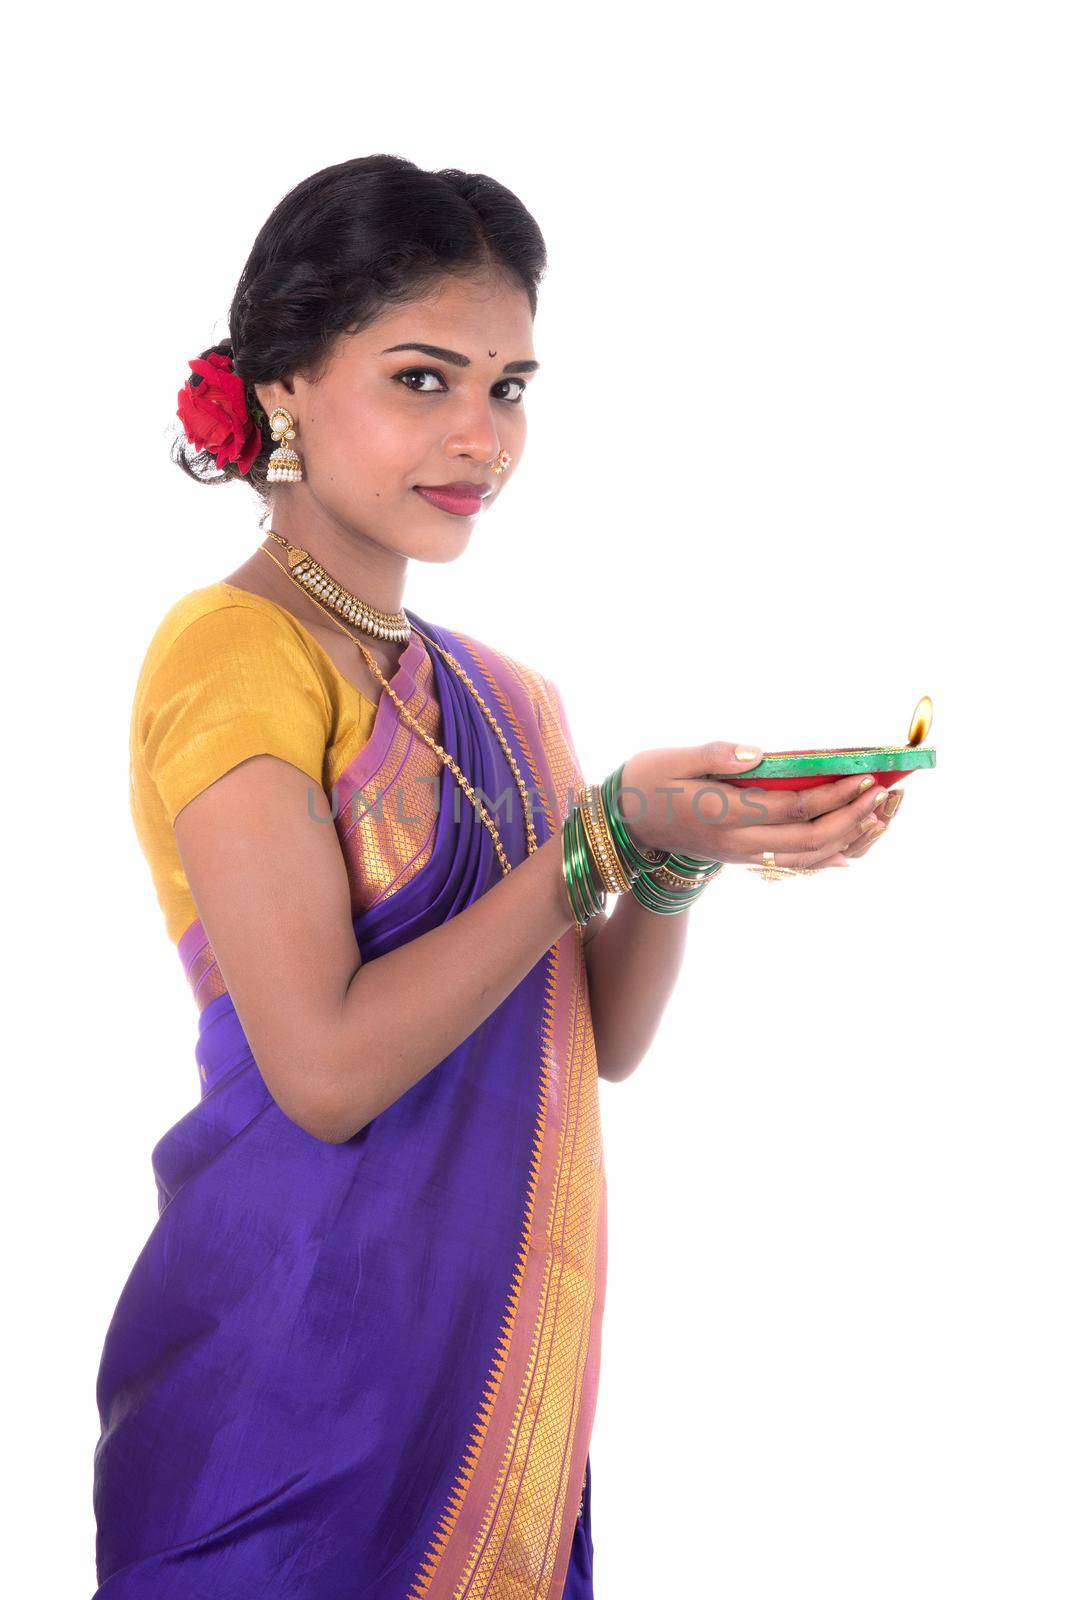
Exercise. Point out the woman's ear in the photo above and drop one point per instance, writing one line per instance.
(271, 395)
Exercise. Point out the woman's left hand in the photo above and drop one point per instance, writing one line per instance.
(861, 846)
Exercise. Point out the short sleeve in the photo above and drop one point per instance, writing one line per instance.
(233, 683)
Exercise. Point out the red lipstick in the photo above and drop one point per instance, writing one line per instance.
(462, 499)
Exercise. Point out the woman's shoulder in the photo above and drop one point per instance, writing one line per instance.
(260, 617)
(221, 616)
(223, 679)
(219, 653)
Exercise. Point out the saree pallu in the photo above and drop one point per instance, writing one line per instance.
(368, 1371)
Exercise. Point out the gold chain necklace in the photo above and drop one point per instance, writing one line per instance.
(294, 555)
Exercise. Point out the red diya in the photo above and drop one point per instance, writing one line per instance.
(804, 769)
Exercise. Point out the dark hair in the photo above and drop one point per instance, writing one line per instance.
(343, 246)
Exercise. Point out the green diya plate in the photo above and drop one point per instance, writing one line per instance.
(804, 769)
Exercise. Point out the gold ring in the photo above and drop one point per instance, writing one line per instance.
(770, 870)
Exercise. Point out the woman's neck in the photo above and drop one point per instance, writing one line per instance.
(375, 574)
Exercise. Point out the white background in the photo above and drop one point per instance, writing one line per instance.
(795, 458)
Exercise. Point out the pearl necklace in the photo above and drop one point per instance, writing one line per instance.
(316, 581)
(327, 593)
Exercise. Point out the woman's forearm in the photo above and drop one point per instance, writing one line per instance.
(632, 964)
(405, 1011)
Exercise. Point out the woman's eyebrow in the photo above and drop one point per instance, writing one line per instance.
(456, 359)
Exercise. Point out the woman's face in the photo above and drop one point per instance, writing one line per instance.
(381, 422)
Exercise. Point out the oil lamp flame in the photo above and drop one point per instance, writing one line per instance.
(922, 718)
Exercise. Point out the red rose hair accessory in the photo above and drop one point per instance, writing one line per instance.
(213, 410)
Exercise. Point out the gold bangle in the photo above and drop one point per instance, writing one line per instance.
(593, 842)
(600, 849)
(620, 875)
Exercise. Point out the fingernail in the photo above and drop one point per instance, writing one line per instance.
(892, 803)
(865, 783)
(870, 821)
(742, 753)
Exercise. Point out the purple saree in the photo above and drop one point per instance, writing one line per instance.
(368, 1371)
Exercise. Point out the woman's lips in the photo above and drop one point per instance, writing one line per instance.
(462, 504)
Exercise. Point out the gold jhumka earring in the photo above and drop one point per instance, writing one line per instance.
(283, 464)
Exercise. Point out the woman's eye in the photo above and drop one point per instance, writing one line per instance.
(418, 373)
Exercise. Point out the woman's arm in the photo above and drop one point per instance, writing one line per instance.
(632, 961)
(338, 1039)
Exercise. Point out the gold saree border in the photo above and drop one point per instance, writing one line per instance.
(387, 824)
(507, 1527)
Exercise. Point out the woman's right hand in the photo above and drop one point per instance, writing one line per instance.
(669, 800)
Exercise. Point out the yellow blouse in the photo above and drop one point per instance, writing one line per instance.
(228, 675)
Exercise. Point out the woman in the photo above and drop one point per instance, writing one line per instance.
(358, 1354)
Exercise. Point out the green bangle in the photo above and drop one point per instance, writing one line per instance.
(645, 887)
(585, 891)
(668, 900)
(633, 857)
